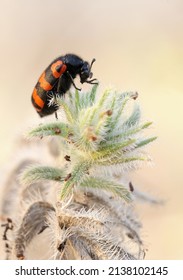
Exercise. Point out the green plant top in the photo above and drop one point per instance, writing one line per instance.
(100, 136)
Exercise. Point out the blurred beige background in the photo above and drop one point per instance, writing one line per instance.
(138, 45)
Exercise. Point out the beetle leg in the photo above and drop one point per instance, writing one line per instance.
(93, 82)
(72, 80)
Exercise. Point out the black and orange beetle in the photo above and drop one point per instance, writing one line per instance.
(57, 80)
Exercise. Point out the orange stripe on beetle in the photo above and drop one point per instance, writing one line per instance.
(55, 66)
(43, 83)
(37, 99)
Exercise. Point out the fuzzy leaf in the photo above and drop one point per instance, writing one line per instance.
(50, 129)
(121, 134)
(118, 106)
(144, 142)
(39, 173)
(102, 126)
(77, 100)
(134, 118)
(103, 99)
(108, 150)
(109, 186)
(146, 125)
(96, 109)
(118, 160)
(74, 178)
(92, 94)
(68, 112)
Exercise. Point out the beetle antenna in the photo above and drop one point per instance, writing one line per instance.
(93, 60)
(93, 82)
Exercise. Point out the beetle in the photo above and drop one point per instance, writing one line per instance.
(57, 80)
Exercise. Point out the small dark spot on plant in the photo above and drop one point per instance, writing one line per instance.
(67, 158)
(67, 177)
(57, 130)
(131, 187)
